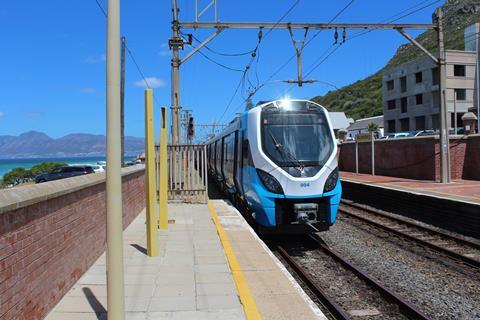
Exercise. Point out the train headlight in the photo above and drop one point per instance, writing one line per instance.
(331, 181)
(270, 182)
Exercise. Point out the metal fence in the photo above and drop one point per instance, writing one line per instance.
(187, 173)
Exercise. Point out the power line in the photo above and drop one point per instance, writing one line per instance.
(218, 63)
(368, 31)
(130, 53)
(241, 83)
(251, 94)
(391, 18)
(101, 8)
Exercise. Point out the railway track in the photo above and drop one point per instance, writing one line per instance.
(455, 247)
(371, 293)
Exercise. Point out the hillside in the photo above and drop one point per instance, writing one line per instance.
(35, 144)
(364, 97)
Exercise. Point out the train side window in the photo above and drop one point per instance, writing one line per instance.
(247, 157)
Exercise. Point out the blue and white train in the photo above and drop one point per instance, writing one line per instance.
(279, 160)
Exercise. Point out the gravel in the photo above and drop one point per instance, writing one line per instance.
(352, 294)
(440, 290)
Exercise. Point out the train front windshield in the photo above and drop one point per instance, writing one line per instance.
(297, 135)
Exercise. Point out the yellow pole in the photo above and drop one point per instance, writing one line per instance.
(163, 177)
(151, 189)
(115, 281)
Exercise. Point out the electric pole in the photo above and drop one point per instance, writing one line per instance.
(122, 99)
(115, 281)
(175, 43)
(444, 134)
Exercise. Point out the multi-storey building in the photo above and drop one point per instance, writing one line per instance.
(411, 97)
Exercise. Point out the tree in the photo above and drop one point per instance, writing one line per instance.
(45, 167)
(15, 175)
(373, 127)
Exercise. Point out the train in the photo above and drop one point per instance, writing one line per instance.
(278, 162)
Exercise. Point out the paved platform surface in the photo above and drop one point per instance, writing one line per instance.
(460, 190)
(192, 278)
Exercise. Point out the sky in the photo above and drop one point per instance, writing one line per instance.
(52, 65)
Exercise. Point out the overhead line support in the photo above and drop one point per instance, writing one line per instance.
(201, 45)
(317, 26)
(417, 44)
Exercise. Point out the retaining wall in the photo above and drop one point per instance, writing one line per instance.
(414, 158)
(51, 233)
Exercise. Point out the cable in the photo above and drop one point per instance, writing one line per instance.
(101, 8)
(282, 17)
(130, 53)
(241, 83)
(391, 20)
(218, 63)
(223, 53)
(251, 94)
(365, 32)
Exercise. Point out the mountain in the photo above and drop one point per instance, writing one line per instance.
(35, 144)
(364, 97)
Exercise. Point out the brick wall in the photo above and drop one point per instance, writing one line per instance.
(46, 246)
(414, 158)
(472, 159)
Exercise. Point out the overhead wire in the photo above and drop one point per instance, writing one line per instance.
(251, 94)
(131, 55)
(387, 20)
(241, 83)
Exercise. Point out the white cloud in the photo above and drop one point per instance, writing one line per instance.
(96, 59)
(164, 53)
(154, 82)
(88, 90)
(1, 114)
(165, 50)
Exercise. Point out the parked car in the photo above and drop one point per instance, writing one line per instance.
(425, 133)
(64, 172)
(398, 135)
(98, 168)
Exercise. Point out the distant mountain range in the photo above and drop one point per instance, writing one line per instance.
(35, 144)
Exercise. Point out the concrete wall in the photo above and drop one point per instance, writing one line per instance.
(414, 158)
(51, 233)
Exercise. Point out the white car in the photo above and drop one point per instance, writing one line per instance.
(98, 168)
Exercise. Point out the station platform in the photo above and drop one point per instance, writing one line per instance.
(453, 206)
(459, 190)
(211, 266)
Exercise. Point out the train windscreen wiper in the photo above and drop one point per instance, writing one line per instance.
(284, 150)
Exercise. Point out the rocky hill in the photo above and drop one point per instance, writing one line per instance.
(364, 97)
(35, 144)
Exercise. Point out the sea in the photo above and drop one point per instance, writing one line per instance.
(8, 164)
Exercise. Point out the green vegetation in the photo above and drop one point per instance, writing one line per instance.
(17, 175)
(364, 97)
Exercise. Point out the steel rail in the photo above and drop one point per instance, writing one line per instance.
(404, 306)
(335, 310)
(457, 256)
(474, 244)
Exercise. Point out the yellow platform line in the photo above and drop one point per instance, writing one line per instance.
(248, 303)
